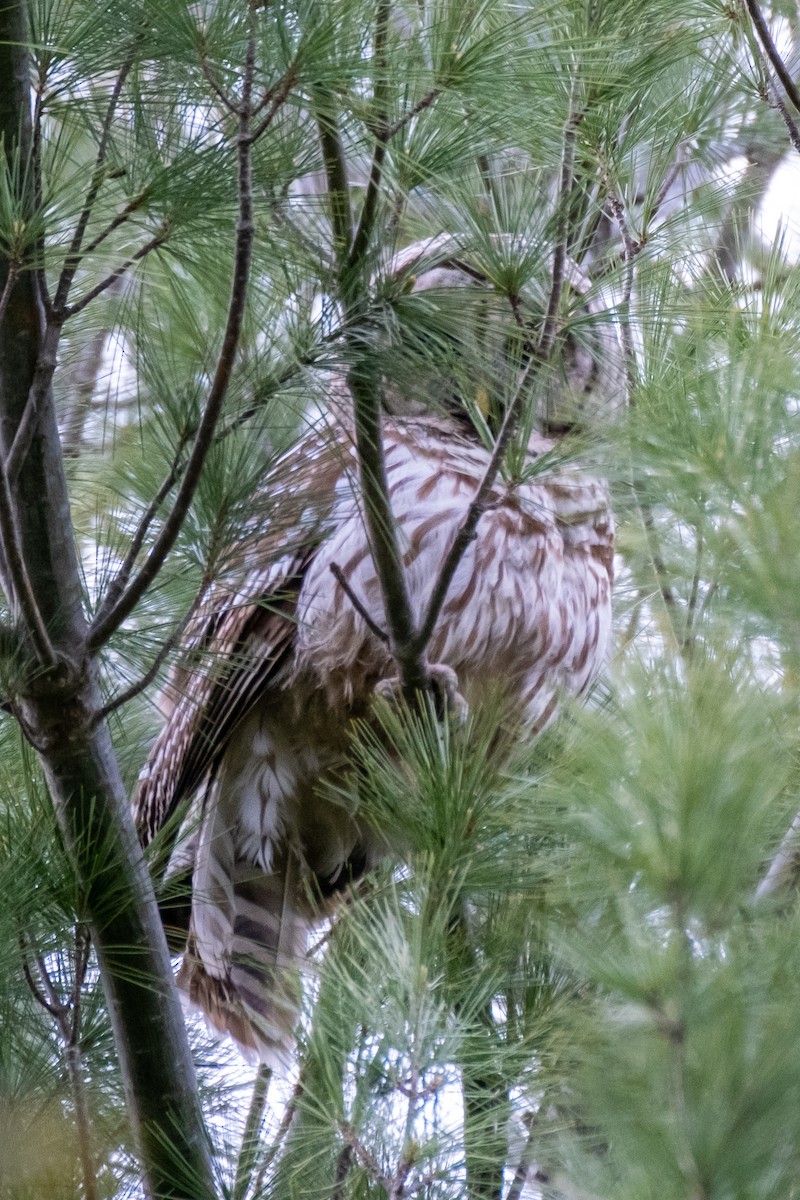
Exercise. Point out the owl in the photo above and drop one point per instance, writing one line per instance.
(281, 658)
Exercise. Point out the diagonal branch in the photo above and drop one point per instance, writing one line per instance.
(122, 216)
(17, 577)
(771, 51)
(165, 650)
(105, 625)
(74, 256)
(536, 359)
(155, 241)
(374, 628)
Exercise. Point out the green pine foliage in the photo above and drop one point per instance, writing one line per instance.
(561, 984)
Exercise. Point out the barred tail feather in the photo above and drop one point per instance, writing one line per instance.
(241, 962)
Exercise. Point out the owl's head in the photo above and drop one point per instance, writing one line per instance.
(464, 339)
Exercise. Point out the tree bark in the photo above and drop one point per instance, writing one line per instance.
(58, 703)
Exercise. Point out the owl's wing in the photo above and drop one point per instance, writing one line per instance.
(241, 641)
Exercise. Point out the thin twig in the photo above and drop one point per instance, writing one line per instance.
(20, 584)
(67, 1017)
(130, 208)
(110, 620)
(373, 626)
(118, 583)
(230, 105)
(155, 241)
(248, 1150)
(282, 1131)
(365, 1157)
(74, 256)
(771, 50)
(369, 208)
(389, 131)
(166, 649)
(11, 278)
(631, 247)
(278, 96)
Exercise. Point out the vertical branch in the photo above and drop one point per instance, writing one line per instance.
(380, 119)
(631, 247)
(248, 1151)
(335, 164)
(66, 1015)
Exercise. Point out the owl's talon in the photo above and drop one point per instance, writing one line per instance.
(444, 686)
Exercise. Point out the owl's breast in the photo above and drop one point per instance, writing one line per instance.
(531, 594)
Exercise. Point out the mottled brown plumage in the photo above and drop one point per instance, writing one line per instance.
(279, 660)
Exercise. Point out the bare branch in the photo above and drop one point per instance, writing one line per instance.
(230, 105)
(130, 208)
(374, 628)
(365, 1157)
(525, 1162)
(771, 51)
(54, 1010)
(389, 131)
(280, 1135)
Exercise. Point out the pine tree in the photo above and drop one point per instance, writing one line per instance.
(576, 974)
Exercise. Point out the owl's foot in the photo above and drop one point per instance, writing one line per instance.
(444, 687)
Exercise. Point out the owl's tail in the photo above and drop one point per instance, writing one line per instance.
(246, 938)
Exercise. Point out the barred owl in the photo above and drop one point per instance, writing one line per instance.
(277, 664)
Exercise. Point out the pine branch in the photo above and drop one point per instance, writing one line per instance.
(248, 1151)
(165, 650)
(154, 243)
(74, 256)
(110, 618)
(771, 51)
(18, 580)
(335, 166)
(537, 358)
(369, 209)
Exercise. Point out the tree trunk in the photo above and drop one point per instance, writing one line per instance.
(57, 702)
